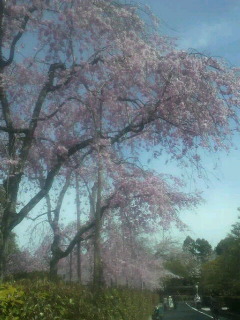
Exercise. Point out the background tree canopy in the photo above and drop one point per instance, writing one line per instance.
(223, 273)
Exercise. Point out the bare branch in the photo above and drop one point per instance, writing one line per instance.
(14, 130)
(60, 200)
(87, 227)
(2, 7)
(37, 217)
(49, 207)
(51, 115)
(4, 63)
(48, 182)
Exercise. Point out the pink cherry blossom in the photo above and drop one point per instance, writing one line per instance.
(90, 79)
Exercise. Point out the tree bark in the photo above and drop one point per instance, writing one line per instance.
(79, 269)
(3, 247)
(70, 267)
(97, 267)
(53, 273)
(5, 229)
(56, 256)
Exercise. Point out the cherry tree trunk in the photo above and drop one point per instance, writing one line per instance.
(4, 237)
(2, 258)
(79, 271)
(97, 261)
(53, 269)
(97, 267)
(70, 267)
(56, 256)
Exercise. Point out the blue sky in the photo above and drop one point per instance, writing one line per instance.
(212, 27)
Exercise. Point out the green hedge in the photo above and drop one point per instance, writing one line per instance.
(233, 303)
(42, 300)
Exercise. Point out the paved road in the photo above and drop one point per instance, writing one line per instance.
(185, 312)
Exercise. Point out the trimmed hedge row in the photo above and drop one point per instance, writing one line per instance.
(233, 303)
(42, 300)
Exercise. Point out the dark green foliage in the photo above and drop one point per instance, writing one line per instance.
(180, 286)
(203, 249)
(180, 268)
(233, 303)
(33, 275)
(189, 245)
(42, 300)
(224, 245)
(11, 302)
(213, 278)
(235, 231)
(200, 248)
(223, 273)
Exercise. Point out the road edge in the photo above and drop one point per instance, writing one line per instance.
(206, 314)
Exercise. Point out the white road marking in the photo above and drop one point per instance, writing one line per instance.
(208, 315)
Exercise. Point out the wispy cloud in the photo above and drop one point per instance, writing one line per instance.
(206, 35)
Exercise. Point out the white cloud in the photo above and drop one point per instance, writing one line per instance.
(206, 35)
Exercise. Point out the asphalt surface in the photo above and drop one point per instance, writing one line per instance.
(186, 312)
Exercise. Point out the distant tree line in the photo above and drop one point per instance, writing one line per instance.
(213, 270)
(185, 266)
(222, 274)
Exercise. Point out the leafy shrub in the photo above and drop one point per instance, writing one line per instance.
(33, 275)
(233, 303)
(43, 300)
(11, 302)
